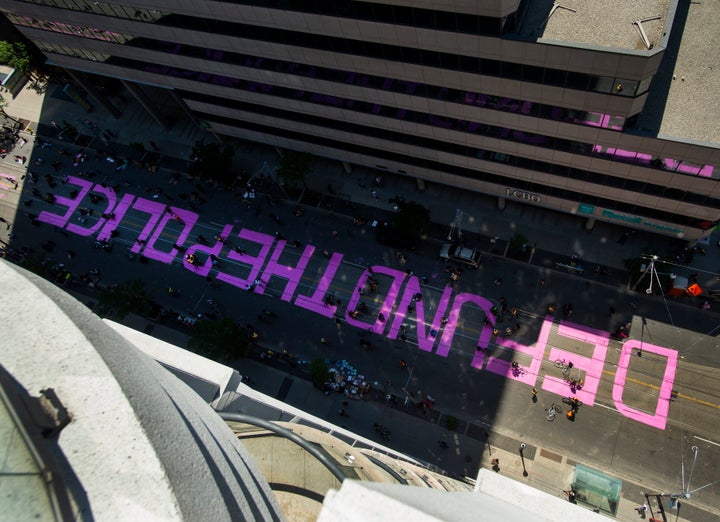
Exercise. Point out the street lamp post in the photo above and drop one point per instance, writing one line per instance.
(456, 226)
(522, 458)
(686, 491)
(642, 333)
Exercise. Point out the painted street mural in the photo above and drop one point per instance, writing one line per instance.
(402, 301)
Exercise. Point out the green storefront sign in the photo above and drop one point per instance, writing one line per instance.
(586, 209)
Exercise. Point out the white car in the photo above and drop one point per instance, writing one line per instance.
(461, 254)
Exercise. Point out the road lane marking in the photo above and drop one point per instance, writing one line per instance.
(706, 440)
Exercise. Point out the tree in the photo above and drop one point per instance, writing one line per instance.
(293, 168)
(411, 218)
(319, 372)
(219, 337)
(119, 300)
(214, 161)
(518, 244)
(17, 55)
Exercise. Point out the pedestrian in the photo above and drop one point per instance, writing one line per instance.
(706, 305)
(381, 317)
(373, 193)
(533, 395)
(335, 234)
(571, 496)
(498, 281)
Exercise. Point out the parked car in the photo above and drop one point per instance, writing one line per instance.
(459, 253)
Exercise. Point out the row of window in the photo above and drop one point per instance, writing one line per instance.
(429, 143)
(103, 8)
(422, 90)
(491, 131)
(388, 14)
(528, 186)
(435, 92)
(372, 12)
(71, 29)
(456, 62)
(470, 64)
(71, 51)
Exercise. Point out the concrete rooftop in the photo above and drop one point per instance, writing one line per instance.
(692, 107)
(602, 23)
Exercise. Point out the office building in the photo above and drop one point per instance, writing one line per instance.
(601, 109)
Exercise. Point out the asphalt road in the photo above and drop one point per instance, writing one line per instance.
(600, 434)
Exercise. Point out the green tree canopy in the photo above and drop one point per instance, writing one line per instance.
(221, 337)
(293, 168)
(17, 55)
(517, 242)
(319, 372)
(213, 161)
(120, 300)
(411, 218)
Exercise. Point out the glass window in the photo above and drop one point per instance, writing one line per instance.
(511, 70)
(555, 77)
(601, 84)
(490, 67)
(625, 87)
(578, 81)
(531, 73)
(644, 85)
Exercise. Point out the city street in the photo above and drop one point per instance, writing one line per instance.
(643, 410)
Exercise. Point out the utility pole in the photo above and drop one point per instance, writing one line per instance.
(456, 226)
(649, 270)
(675, 497)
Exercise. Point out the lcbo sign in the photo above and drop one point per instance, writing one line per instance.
(403, 287)
(521, 194)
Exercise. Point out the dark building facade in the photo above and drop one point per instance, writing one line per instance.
(568, 107)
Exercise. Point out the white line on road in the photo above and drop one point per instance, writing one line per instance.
(706, 440)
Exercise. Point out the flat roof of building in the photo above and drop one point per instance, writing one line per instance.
(691, 67)
(602, 23)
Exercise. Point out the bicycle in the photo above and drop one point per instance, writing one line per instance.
(573, 402)
(564, 367)
(552, 411)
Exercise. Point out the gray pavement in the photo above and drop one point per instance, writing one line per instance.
(551, 232)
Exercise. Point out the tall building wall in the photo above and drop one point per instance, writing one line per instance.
(453, 92)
